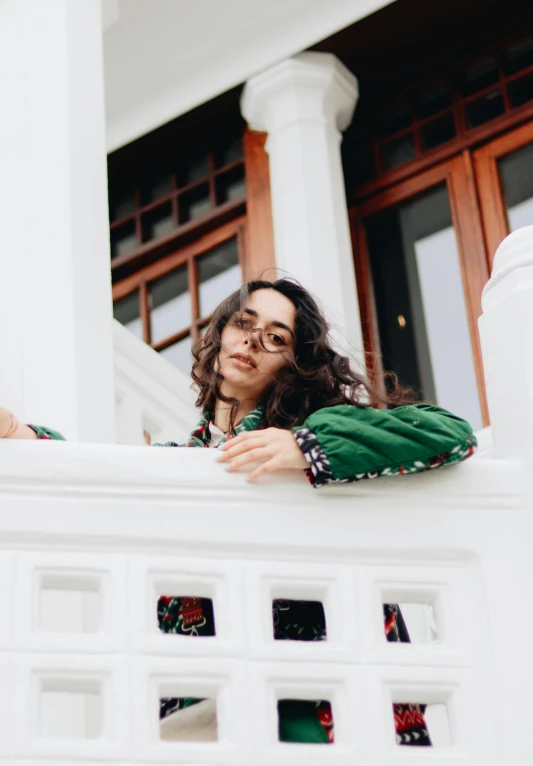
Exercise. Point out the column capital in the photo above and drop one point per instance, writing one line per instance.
(310, 87)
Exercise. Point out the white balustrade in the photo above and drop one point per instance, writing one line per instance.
(152, 396)
(91, 535)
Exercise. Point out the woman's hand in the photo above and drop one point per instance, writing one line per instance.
(275, 446)
(12, 429)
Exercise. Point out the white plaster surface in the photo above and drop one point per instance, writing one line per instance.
(165, 57)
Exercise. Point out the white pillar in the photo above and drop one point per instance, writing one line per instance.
(303, 104)
(55, 293)
(506, 330)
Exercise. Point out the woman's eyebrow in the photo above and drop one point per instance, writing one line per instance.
(274, 322)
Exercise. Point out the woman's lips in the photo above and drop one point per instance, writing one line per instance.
(243, 362)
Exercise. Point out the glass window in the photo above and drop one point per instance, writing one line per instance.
(170, 304)
(219, 274)
(398, 151)
(123, 239)
(127, 312)
(516, 172)
(158, 222)
(420, 302)
(438, 131)
(484, 109)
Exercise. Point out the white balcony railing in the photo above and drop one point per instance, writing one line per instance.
(153, 397)
(91, 535)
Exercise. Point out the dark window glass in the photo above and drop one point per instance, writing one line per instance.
(194, 203)
(516, 172)
(517, 57)
(481, 75)
(398, 151)
(229, 153)
(170, 304)
(156, 187)
(194, 170)
(521, 90)
(121, 205)
(127, 312)
(484, 109)
(231, 185)
(219, 275)
(432, 101)
(393, 121)
(360, 168)
(123, 239)
(438, 131)
(158, 222)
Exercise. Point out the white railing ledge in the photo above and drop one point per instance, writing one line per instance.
(178, 474)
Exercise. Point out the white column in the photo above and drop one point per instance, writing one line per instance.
(506, 330)
(303, 104)
(55, 294)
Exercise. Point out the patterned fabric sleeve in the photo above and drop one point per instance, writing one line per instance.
(320, 471)
(46, 433)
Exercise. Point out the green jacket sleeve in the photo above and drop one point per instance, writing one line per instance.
(46, 433)
(348, 443)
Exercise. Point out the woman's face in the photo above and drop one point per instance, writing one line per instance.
(247, 368)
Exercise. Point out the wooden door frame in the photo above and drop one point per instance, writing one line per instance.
(489, 185)
(458, 175)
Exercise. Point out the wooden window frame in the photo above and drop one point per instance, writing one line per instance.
(185, 256)
(489, 184)
(457, 174)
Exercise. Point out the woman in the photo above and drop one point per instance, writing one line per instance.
(274, 392)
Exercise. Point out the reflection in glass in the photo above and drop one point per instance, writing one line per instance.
(170, 304)
(420, 301)
(516, 172)
(195, 203)
(179, 354)
(158, 222)
(127, 312)
(219, 274)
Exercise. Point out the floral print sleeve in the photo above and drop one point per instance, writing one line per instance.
(46, 433)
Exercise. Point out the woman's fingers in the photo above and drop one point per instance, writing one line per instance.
(250, 457)
(267, 467)
(237, 448)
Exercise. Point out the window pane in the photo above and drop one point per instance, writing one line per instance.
(121, 205)
(156, 187)
(516, 171)
(219, 274)
(432, 101)
(179, 354)
(231, 185)
(194, 204)
(229, 153)
(157, 222)
(393, 121)
(123, 239)
(517, 57)
(480, 76)
(484, 109)
(420, 302)
(398, 151)
(127, 312)
(438, 131)
(170, 304)
(521, 90)
(194, 170)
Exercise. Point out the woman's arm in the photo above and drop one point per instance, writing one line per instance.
(347, 443)
(11, 428)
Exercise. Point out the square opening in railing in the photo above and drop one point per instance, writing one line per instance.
(70, 602)
(70, 708)
(298, 620)
(410, 622)
(186, 615)
(305, 721)
(188, 719)
(422, 724)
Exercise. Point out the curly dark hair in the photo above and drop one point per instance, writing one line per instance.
(315, 377)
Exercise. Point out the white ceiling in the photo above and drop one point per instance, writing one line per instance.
(165, 57)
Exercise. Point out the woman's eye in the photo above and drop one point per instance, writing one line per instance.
(278, 340)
